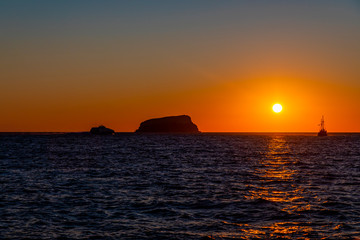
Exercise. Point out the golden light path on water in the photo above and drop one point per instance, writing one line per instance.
(276, 168)
(277, 186)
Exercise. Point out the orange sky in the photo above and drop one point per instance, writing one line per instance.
(72, 67)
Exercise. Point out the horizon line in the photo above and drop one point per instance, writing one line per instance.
(258, 132)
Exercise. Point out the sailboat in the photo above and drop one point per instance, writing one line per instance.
(322, 131)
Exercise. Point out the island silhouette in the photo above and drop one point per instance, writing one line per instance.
(101, 130)
(169, 124)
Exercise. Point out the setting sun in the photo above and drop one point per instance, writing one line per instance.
(277, 108)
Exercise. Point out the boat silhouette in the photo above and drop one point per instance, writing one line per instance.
(322, 131)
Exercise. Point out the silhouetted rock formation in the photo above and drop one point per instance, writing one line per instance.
(101, 130)
(172, 124)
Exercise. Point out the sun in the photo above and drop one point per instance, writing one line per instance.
(277, 108)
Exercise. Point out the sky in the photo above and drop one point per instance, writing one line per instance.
(71, 65)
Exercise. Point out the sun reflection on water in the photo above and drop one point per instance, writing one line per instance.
(282, 230)
(275, 174)
(278, 187)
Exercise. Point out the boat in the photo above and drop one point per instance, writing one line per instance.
(322, 131)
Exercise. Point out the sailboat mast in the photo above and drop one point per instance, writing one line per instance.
(322, 131)
(322, 125)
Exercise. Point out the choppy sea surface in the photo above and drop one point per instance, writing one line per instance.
(203, 186)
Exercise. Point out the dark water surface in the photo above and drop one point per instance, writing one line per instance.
(206, 186)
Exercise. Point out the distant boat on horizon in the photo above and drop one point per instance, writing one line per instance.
(322, 131)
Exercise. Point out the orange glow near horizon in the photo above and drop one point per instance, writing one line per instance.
(237, 106)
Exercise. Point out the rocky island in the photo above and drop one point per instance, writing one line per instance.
(101, 130)
(171, 124)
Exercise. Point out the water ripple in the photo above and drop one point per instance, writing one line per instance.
(206, 186)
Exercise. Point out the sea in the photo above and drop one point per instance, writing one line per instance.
(179, 186)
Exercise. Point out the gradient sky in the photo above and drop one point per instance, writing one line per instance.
(72, 65)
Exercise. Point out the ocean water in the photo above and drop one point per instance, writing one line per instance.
(205, 186)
